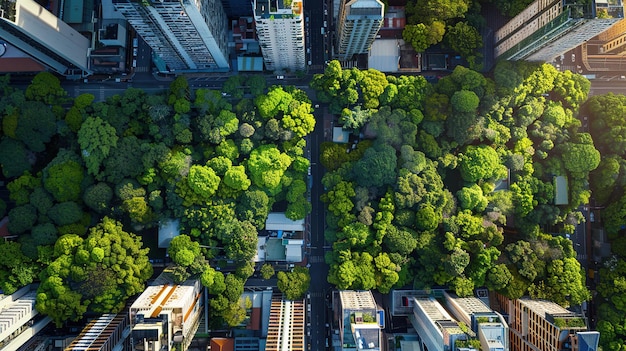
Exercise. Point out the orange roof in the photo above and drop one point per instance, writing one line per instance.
(222, 344)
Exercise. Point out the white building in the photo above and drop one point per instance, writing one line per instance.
(166, 315)
(360, 321)
(186, 35)
(358, 24)
(19, 320)
(280, 29)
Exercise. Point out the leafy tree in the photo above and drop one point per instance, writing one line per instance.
(21, 219)
(96, 138)
(46, 88)
(16, 269)
(85, 273)
(472, 198)
(254, 206)
(241, 241)
(65, 213)
(377, 167)
(199, 186)
(267, 166)
(63, 180)
(124, 161)
(98, 197)
(463, 38)
(36, 125)
(480, 162)
(14, 157)
(235, 287)
(267, 271)
(422, 35)
(21, 188)
(580, 158)
(294, 284)
(429, 10)
(464, 101)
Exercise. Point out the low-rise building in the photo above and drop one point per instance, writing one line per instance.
(361, 321)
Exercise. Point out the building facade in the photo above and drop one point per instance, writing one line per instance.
(280, 29)
(19, 320)
(358, 25)
(549, 28)
(185, 35)
(108, 333)
(286, 325)
(547, 326)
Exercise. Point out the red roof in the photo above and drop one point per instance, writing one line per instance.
(20, 64)
(255, 319)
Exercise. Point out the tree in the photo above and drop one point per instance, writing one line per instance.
(254, 206)
(14, 157)
(422, 35)
(429, 10)
(464, 101)
(267, 271)
(267, 166)
(98, 197)
(472, 198)
(199, 186)
(46, 88)
(65, 213)
(294, 284)
(85, 273)
(377, 167)
(124, 161)
(36, 125)
(63, 180)
(16, 269)
(22, 219)
(96, 138)
(464, 39)
(480, 162)
(580, 158)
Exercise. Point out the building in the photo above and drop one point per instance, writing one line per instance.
(284, 242)
(360, 321)
(358, 25)
(437, 330)
(184, 35)
(549, 28)
(286, 325)
(280, 29)
(108, 333)
(39, 35)
(489, 326)
(546, 326)
(166, 315)
(19, 320)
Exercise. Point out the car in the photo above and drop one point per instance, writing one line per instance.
(134, 51)
(325, 24)
(310, 63)
(325, 12)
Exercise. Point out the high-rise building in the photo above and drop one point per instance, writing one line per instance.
(546, 326)
(280, 29)
(358, 24)
(549, 28)
(109, 332)
(185, 35)
(48, 40)
(19, 320)
(286, 325)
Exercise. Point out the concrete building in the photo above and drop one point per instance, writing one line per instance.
(45, 38)
(286, 325)
(360, 321)
(546, 326)
(184, 35)
(548, 28)
(166, 315)
(19, 320)
(358, 25)
(280, 29)
(489, 326)
(108, 333)
(437, 330)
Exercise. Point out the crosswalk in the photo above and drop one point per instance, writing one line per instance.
(581, 257)
(317, 294)
(316, 259)
(142, 69)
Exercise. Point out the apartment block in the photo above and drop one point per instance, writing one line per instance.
(19, 320)
(490, 327)
(280, 29)
(437, 329)
(358, 25)
(185, 35)
(549, 28)
(286, 325)
(166, 315)
(546, 326)
(40, 35)
(360, 322)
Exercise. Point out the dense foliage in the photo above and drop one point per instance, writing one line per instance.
(424, 198)
(217, 163)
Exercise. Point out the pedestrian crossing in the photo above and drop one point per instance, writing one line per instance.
(142, 69)
(581, 257)
(316, 259)
(317, 294)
